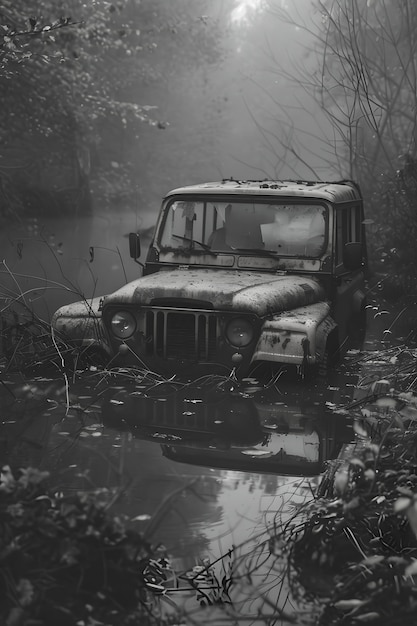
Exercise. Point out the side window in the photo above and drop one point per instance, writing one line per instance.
(356, 224)
(348, 228)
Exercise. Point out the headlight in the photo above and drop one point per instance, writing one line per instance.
(239, 332)
(123, 324)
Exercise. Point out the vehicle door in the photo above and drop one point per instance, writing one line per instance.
(350, 282)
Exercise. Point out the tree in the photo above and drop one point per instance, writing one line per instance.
(63, 88)
(358, 74)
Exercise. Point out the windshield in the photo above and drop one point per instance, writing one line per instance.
(286, 229)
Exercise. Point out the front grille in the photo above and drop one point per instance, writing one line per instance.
(180, 414)
(190, 335)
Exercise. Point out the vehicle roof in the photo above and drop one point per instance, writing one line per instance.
(338, 191)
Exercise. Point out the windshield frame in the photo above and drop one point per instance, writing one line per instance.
(199, 250)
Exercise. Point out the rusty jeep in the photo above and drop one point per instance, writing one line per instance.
(238, 274)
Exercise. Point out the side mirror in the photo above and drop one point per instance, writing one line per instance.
(352, 255)
(134, 245)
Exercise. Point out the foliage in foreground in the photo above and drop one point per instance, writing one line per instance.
(60, 555)
(356, 551)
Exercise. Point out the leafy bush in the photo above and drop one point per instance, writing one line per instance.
(356, 549)
(63, 560)
(393, 235)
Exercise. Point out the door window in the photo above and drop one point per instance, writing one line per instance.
(348, 229)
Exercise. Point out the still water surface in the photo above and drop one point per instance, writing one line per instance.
(50, 262)
(210, 469)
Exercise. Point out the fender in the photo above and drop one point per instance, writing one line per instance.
(298, 336)
(81, 322)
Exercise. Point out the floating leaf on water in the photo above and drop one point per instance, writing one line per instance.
(341, 411)
(402, 504)
(397, 560)
(335, 503)
(155, 588)
(96, 434)
(357, 463)
(367, 617)
(359, 429)
(379, 499)
(386, 402)
(341, 481)
(144, 517)
(352, 352)
(348, 605)
(411, 570)
(373, 560)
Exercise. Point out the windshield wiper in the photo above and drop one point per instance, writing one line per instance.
(268, 253)
(205, 247)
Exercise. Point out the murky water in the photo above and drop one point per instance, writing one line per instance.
(49, 262)
(210, 469)
(207, 469)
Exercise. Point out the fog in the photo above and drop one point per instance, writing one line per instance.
(233, 114)
(235, 118)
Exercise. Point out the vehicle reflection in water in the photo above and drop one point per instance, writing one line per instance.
(227, 478)
(251, 445)
(251, 432)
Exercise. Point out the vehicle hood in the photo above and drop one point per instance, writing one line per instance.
(253, 292)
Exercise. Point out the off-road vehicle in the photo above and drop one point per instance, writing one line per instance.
(238, 274)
